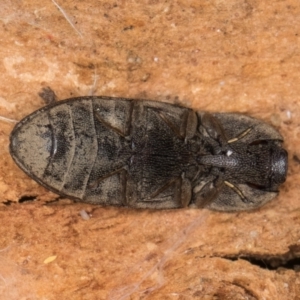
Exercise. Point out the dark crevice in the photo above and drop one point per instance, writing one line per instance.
(289, 260)
(27, 199)
(270, 263)
(52, 201)
(56, 200)
(8, 202)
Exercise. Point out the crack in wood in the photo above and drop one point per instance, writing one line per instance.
(289, 260)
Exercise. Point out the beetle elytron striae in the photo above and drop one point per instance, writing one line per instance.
(148, 154)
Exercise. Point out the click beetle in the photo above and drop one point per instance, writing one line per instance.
(147, 154)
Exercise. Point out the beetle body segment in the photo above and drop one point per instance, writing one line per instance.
(148, 154)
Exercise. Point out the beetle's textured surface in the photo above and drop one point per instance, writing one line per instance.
(148, 154)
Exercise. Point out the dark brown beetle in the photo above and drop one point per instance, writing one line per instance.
(146, 154)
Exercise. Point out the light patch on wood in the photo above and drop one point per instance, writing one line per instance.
(50, 259)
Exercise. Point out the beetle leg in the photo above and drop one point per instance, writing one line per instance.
(94, 184)
(180, 132)
(173, 182)
(191, 125)
(240, 136)
(236, 190)
(214, 128)
(175, 193)
(219, 194)
(123, 180)
(217, 132)
(185, 192)
(123, 175)
(208, 193)
(107, 125)
(188, 126)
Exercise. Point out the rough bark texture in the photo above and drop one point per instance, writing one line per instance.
(240, 56)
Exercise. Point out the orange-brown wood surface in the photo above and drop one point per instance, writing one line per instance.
(234, 55)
